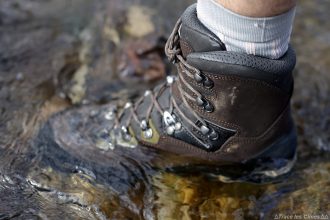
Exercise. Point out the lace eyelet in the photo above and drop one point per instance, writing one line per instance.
(171, 124)
(199, 78)
(210, 132)
(170, 130)
(209, 107)
(208, 83)
(125, 134)
(205, 130)
(213, 136)
(146, 130)
(144, 125)
(148, 134)
(200, 101)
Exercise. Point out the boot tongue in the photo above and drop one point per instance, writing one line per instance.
(195, 37)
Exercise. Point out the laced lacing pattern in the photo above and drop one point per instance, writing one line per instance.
(174, 53)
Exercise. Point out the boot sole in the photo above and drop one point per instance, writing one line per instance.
(272, 165)
(261, 174)
(256, 173)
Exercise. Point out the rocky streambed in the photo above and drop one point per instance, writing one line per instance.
(62, 54)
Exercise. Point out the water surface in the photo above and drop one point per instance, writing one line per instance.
(57, 55)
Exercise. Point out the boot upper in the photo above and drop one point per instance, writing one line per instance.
(220, 106)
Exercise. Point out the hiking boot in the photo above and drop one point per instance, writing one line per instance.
(222, 109)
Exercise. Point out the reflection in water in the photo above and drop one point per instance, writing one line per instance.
(81, 51)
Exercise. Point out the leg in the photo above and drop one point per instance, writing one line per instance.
(258, 8)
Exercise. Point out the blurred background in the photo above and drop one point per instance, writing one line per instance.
(59, 54)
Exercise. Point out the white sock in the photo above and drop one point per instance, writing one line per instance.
(267, 37)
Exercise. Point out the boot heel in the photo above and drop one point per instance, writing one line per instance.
(272, 165)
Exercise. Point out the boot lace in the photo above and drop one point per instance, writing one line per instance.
(174, 53)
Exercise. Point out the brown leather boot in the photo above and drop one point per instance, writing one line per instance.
(223, 108)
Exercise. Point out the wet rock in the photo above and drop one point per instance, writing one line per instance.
(139, 21)
(142, 59)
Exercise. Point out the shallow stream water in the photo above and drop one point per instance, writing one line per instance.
(57, 55)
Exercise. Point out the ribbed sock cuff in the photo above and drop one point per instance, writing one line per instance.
(267, 37)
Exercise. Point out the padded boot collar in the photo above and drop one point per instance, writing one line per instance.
(275, 72)
(196, 35)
